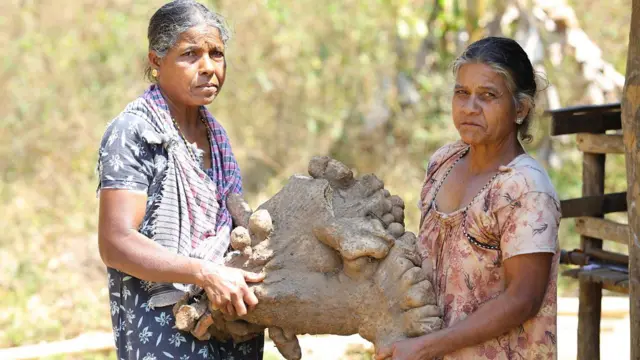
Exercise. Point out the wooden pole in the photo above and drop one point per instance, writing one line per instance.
(590, 293)
(631, 134)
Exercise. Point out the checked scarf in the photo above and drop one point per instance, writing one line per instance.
(192, 218)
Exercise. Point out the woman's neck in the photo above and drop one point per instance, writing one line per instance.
(187, 117)
(488, 157)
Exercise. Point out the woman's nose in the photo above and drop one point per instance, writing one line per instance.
(206, 65)
(470, 105)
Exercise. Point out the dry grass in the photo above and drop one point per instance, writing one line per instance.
(303, 77)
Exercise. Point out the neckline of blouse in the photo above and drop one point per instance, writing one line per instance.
(462, 210)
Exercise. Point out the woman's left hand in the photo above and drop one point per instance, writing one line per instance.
(410, 349)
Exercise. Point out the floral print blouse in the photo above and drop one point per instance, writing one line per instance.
(517, 213)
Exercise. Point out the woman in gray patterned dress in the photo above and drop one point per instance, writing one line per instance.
(166, 169)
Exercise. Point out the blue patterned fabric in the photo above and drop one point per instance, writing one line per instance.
(143, 333)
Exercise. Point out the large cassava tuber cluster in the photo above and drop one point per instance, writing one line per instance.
(337, 261)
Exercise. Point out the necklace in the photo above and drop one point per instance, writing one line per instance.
(198, 159)
(433, 204)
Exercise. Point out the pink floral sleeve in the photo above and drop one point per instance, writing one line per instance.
(530, 225)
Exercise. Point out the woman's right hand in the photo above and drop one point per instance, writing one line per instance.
(227, 288)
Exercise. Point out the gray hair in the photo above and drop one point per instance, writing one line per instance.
(507, 58)
(176, 17)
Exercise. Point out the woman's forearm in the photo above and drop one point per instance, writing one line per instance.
(491, 320)
(139, 256)
(123, 248)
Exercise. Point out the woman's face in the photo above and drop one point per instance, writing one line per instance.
(193, 70)
(484, 111)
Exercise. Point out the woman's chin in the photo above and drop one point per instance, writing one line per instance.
(470, 139)
(209, 100)
(203, 99)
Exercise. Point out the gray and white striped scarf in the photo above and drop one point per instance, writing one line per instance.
(192, 218)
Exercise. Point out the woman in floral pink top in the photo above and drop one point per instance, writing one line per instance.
(490, 219)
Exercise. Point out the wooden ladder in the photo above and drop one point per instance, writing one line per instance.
(599, 269)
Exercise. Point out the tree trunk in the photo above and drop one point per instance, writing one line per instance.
(631, 131)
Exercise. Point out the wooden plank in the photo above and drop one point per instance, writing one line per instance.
(590, 293)
(623, 288)
(594, 205)
(605, 277)
(597, 256)
(609, 256)
(593, 119)
(569, 111)
(603, 229)
(587, 123)
(608, 279)
(600, 143)
(631, 131)
(572, 273)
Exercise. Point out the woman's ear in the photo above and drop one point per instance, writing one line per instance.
(522, 108)
(154, 60)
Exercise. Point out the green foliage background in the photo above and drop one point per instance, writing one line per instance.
(305, 77)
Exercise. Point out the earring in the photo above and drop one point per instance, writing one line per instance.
(519, 120)
(154, 73)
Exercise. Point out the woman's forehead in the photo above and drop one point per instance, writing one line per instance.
(479, 75)
(202, 36)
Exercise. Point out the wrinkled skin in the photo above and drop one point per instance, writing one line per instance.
(336, 259)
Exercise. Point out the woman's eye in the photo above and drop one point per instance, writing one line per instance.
(489, 95)
(189, 53)
(217, 54)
